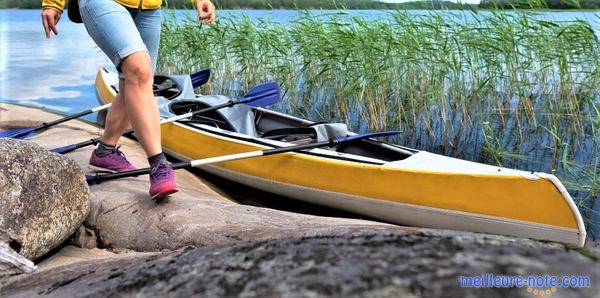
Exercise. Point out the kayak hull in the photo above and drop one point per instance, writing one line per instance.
(423, 189)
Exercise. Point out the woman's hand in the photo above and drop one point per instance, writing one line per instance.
(206, 12)
(50, 18)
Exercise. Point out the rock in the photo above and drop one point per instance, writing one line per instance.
(11, 262)
(44, 196)
(132, 221)
(73, 256)
(383, 263)
(85, 238)
(123, 217)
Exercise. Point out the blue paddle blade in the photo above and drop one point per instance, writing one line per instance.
(200, 78)
(20, 133)
(366, 136)
(8, 133)
(262, 95)
(90, 179)
(65, 149)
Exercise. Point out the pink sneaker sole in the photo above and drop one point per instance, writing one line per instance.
(161, 194)
(101, 169)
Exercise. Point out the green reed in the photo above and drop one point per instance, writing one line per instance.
(508, 89)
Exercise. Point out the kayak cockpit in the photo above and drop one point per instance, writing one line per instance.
(269, 125)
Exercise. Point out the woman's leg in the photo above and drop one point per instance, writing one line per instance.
(148, 23)
(116, 118)
(132, 47)
(140, 106)
(114, 30)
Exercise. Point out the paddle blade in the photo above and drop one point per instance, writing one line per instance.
(20, 133)
(65, 149)
(365, 136)
(92, 179)
(262, 95)
(200, 78)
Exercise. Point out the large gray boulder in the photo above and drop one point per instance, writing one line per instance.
(44, 197)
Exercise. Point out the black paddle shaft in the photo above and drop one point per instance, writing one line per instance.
(329, 143)
(128, 131)
(59, 121)
(46, 125)
(98, 178)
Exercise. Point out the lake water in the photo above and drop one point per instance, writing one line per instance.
(58, 73)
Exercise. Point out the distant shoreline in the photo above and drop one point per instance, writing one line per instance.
(301, 9)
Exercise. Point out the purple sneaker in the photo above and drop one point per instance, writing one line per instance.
(114, 162)
(162, 181)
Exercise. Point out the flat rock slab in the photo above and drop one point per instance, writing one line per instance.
(358, 263)
(124, 217)
(73, 255)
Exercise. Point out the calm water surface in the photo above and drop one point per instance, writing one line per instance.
(58, 73)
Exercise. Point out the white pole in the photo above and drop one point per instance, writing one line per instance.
(217, 159)
(100, 108)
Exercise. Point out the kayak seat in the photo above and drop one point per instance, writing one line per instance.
(290, 134)
(166, 87)
(238, 118)
(211, 118)
(316, 132)
(169, 87)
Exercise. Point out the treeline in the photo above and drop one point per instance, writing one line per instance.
(277, 4)
(540, 4)
(320, 4)
(280, 4)
(20, 3)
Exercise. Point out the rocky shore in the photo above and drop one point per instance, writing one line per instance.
(114, 241)
(368, 263)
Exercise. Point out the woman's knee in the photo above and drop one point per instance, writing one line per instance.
(137, 69)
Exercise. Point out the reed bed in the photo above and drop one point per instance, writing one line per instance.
(507, 89)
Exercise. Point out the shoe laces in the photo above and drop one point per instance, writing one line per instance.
(120, 156)
(161, 170)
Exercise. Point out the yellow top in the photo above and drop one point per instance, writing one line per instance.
(59, 5)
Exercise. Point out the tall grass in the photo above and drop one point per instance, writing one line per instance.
(506, 89)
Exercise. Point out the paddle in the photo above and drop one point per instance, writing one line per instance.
(23, 132)
(200, 78)
(261, 95)
(99, 178)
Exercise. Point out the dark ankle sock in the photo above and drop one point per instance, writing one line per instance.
(153, 160)
(104, 149)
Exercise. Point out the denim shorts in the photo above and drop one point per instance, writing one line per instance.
(120, 31)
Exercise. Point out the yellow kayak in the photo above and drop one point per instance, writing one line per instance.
(381, 180)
